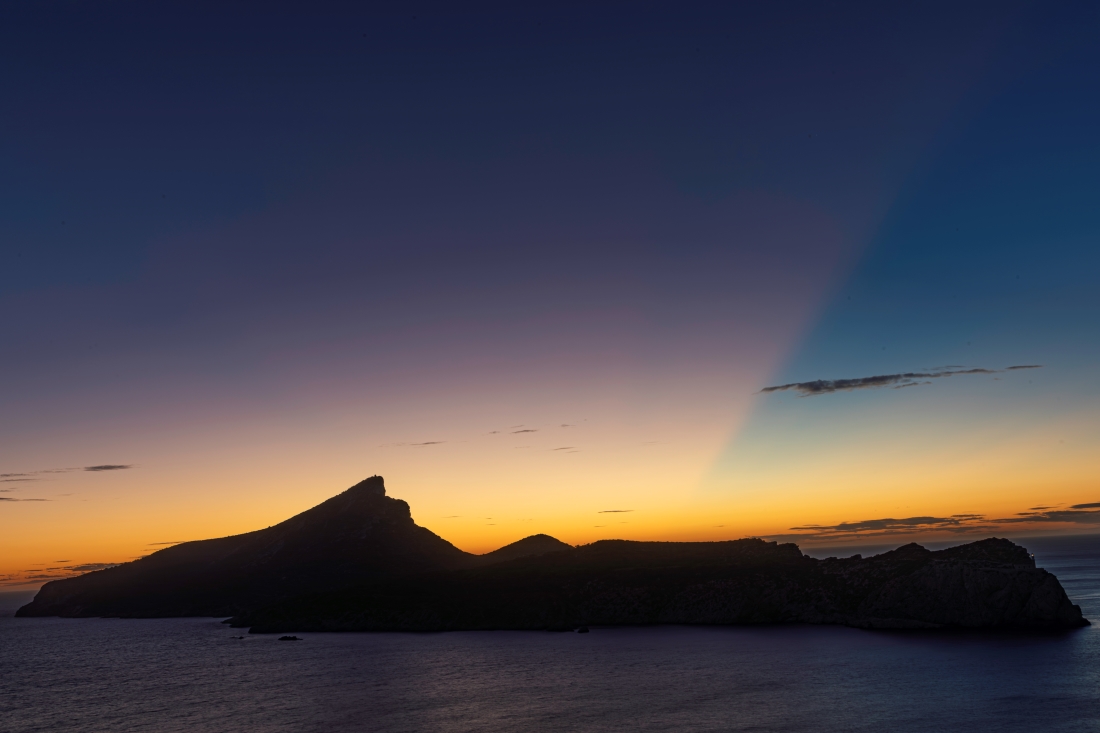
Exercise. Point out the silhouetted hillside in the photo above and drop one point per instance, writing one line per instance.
(358, 536)
(988, 584)
(358, 562)
(536, 544)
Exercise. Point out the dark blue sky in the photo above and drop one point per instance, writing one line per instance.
(214, 217)
(130, 122)
(583, 156)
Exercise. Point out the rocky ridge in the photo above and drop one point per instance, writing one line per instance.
(358, 562)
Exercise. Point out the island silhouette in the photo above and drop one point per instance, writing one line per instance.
(358, 562)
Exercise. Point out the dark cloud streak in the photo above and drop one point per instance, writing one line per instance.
(29, 475)
(955, 524)
(897, 381)
(1074, 516)
(879, 525)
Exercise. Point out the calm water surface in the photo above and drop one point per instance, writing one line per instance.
(192, 675)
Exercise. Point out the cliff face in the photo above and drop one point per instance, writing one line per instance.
(359, 562)
(988, 584)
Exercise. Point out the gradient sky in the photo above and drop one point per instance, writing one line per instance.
(537, 262)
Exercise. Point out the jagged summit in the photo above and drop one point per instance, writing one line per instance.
(373, 486)
(365, 502)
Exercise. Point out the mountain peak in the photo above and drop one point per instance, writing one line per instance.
(536, 544)
(373, 486)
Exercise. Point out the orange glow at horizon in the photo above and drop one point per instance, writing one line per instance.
(481, 489)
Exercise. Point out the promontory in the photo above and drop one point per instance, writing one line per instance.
(358, 562)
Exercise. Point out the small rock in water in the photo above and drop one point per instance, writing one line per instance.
(289, 638)
(582, 630)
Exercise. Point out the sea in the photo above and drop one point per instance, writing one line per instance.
(197, 675)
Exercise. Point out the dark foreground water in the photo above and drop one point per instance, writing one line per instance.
(192, 675)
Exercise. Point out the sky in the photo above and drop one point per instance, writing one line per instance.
(660, 271)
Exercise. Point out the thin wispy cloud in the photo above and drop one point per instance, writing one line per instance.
(1079, 514)
(34, 575)
(526, 430)
(32, 475)
(12, 498)
(1088, 514)
(896, 381)
(615, 511)
(886, 524)
(89, 567)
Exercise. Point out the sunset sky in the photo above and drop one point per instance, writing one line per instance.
(537, 264)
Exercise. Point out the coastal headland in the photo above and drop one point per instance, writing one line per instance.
(358, 562)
